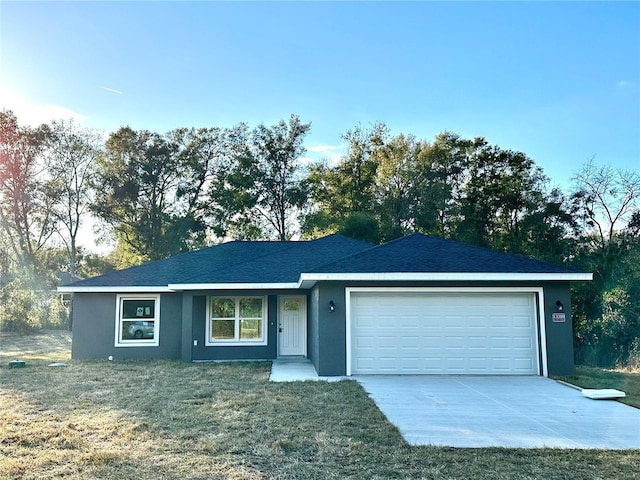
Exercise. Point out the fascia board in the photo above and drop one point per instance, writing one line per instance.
(233, 286)
(114, 289)
(444, 276)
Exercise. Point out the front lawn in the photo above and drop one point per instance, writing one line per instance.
(173, 420)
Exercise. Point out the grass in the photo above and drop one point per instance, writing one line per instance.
(173, 420)
(592, 377)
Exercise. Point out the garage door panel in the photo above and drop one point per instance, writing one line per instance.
(523, 363)
(443, 333)
(523, 343)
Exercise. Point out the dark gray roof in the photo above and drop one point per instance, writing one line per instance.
(423, 253)
(235, 262)
(283, 262)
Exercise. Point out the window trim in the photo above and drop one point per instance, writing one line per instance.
(151, 342)
(237, 342)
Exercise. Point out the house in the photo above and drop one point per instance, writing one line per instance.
(415, 305)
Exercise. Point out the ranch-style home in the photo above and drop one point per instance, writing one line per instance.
(415, 305)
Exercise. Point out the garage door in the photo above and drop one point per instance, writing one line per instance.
(443, 333)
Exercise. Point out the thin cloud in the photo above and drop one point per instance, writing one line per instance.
(110, 90)
(324, 148)
(624, 84)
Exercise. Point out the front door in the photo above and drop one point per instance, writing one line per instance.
(292, 326)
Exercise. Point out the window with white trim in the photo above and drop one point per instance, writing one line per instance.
(137, 320)
(236, 321)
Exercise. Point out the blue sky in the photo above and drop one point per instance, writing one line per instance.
(558, 81)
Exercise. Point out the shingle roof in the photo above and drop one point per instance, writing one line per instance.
(235, 262)
(423, 253)
(283, 262)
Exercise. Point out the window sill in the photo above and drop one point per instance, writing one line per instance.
(137, 344)
(260, 343)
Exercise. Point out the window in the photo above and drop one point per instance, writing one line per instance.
(236, 321)
(137, 320)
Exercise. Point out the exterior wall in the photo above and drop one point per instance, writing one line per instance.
(331, 327)
(559, 334)
(183, 321)
(201, 351)
(94, 317)
(330, 335)
(313, 326)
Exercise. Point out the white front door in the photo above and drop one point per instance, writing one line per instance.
(292, 326)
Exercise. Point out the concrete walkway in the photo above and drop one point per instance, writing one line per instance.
(511, 412)
(296, 369)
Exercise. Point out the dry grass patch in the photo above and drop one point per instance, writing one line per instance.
(592, 377)
(173, 420)
(46, 346)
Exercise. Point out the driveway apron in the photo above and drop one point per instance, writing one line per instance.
(507, 411)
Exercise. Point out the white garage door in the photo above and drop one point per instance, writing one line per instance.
(443, 333)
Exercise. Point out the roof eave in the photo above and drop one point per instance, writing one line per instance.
(307, 280)
(178, 287)
(114, 289)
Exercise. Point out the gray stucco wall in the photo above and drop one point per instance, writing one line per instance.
(313, 327)
(559, 334)
(183, 320)
(94, 317)
(203, 352)
(330, 341)
(330, 328)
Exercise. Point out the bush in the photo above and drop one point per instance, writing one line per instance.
(25, 310)
(612, 338)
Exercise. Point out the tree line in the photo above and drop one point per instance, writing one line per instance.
(158, 194)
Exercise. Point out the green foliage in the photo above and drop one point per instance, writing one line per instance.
(19, 313)
(362, 226)
(456, 188)
(350, 186)
(26, 309)
(607, 243)
(261, 193)
(26, 201)
(93, 264)
(139, 194)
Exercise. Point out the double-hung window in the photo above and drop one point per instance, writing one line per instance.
(237, 321)
(137, 320)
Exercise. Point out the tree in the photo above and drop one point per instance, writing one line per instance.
(606, 200)
(397, 161)
(606, 205)
(362, 226)
(262, 193)
(26, 207)
(137, 183)
(204, 159)
(71, 155)
(350, 186)
(438, 177)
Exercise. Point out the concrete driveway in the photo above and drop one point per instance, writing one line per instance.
(512, 412)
